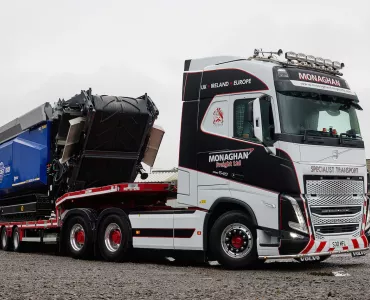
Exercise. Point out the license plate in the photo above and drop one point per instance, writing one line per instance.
(358, 253)
(338, 244)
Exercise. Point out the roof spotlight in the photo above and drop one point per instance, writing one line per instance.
(338, 65)
(319, 61)
(290, 55)
(328, 63)
(301, 57)
(310, 59)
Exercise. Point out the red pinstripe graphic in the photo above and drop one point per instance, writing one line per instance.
(345, 248)
(364, 238)
(308, 247)
(355, 243)
(115, 188)
(331, 249)
(321, 247)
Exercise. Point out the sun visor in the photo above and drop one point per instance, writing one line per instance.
(300, 80)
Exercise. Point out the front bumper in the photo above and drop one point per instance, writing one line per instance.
(290, 256)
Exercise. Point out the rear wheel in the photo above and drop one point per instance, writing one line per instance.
(5, 243)
(233, 241)
(16, 240)
(114, 236)
(79, 238)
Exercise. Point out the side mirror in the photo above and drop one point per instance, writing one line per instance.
(257, 119)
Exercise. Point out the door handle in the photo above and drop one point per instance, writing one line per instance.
(237, 176)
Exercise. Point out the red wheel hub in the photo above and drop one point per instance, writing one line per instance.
(237, 241)
(80, 237)
(116, 236)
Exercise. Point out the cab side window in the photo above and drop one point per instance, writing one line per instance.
(243, 129)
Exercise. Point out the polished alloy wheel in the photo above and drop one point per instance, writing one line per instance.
(237, 240)
(77, 237)
(113, 237)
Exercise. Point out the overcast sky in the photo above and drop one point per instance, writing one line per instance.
(51, 49)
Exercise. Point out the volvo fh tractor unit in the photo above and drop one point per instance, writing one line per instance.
(271, 166)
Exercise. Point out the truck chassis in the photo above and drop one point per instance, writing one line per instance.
(95, 222)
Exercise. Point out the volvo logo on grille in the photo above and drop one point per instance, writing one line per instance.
(335, 210)
(335, 154)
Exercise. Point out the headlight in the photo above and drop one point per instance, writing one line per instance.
(301, 225)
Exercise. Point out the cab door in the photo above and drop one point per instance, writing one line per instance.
(213, 141)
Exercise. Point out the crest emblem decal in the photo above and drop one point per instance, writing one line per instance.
(218, 117)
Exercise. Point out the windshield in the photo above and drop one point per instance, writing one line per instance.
(307, 111)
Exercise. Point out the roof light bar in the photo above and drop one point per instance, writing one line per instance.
(313, 62)
(301, 59)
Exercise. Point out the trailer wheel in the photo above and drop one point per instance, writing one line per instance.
(233, 241)
(5, 243)
(114, 238)
(17, 246)
(79, 238)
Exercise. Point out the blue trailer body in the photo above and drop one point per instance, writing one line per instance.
(24, 160)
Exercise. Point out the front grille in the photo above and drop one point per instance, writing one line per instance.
(334, 200)
(332, 211)
(334, 186)
(335, 205)
(332, 220)
(337, 229)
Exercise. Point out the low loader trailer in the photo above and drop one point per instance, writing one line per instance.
(271, 166)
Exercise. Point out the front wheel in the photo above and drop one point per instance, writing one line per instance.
(233, 241)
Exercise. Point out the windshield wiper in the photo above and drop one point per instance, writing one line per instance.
(313, 137)
(350, 139)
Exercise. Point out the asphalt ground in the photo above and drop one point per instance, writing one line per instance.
(45, 275)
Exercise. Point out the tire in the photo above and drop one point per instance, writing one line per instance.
(114, 238)
(233, 241)
(79, 238)
(16, 242)
(5, 241)
(316, 261)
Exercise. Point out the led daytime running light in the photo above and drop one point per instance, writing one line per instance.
(301, 225)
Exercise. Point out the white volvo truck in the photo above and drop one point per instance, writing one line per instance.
(271, 165)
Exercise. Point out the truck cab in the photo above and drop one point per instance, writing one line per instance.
(278, 139)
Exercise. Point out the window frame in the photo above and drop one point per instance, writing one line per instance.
(247, 100)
